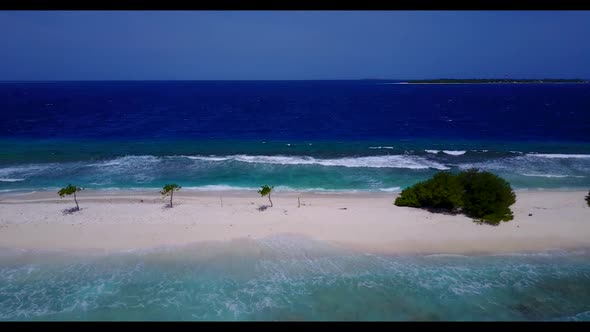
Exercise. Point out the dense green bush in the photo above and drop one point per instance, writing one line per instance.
(486, 196)
(443, 191)
(480, 195)
(409, 196)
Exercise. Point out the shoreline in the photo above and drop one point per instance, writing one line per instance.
(49, 193)
(369, 222)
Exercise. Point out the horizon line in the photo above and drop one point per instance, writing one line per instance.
(279, 80)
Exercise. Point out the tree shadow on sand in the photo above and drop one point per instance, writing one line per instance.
(442, 211)
(167, 206)
(70, 211)
(262, 207)
(458, 212)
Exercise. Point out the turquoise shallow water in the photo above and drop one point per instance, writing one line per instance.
(292, 278)
(27, 165)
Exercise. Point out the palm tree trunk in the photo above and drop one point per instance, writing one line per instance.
(171, 195)
(75, 200)
(269, 199)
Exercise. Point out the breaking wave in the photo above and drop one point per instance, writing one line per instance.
(10, 180)
(389, 161)
(449, 152)
(559, 155)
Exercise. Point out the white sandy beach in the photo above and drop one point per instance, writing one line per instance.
(114, 221)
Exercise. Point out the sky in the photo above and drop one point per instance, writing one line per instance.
(292, 45)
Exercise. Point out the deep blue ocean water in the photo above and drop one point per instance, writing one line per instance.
(295, 110)
(323, 135)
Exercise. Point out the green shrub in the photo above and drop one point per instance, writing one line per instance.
(588, 198)
(486, 196)
(480, 195)
(409, 196)
(443, 191)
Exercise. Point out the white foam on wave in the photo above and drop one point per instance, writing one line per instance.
(544, 253)
(222, 187)
(449, 152)
(390, 161)
(392, 189)
(105, 164)
(381, 147)
(209, 158)
(10, 180)
(454, 152)
(126, 161)
(318, 190)
(8, 190)
(219, 187)
(552, 175)
(132, 167)
(532, 165)
(447, 256)
(558, 155)
(582, 316)
(22, 170)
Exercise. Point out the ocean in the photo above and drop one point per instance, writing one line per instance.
(296, 135)
(341, 136)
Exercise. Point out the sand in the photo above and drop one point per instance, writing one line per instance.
(115, 221)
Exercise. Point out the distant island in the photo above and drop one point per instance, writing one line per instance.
(499, 80)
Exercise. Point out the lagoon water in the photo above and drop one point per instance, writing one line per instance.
(335, 136)
(290, 278)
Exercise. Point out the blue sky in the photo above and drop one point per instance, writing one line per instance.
(119, 45)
